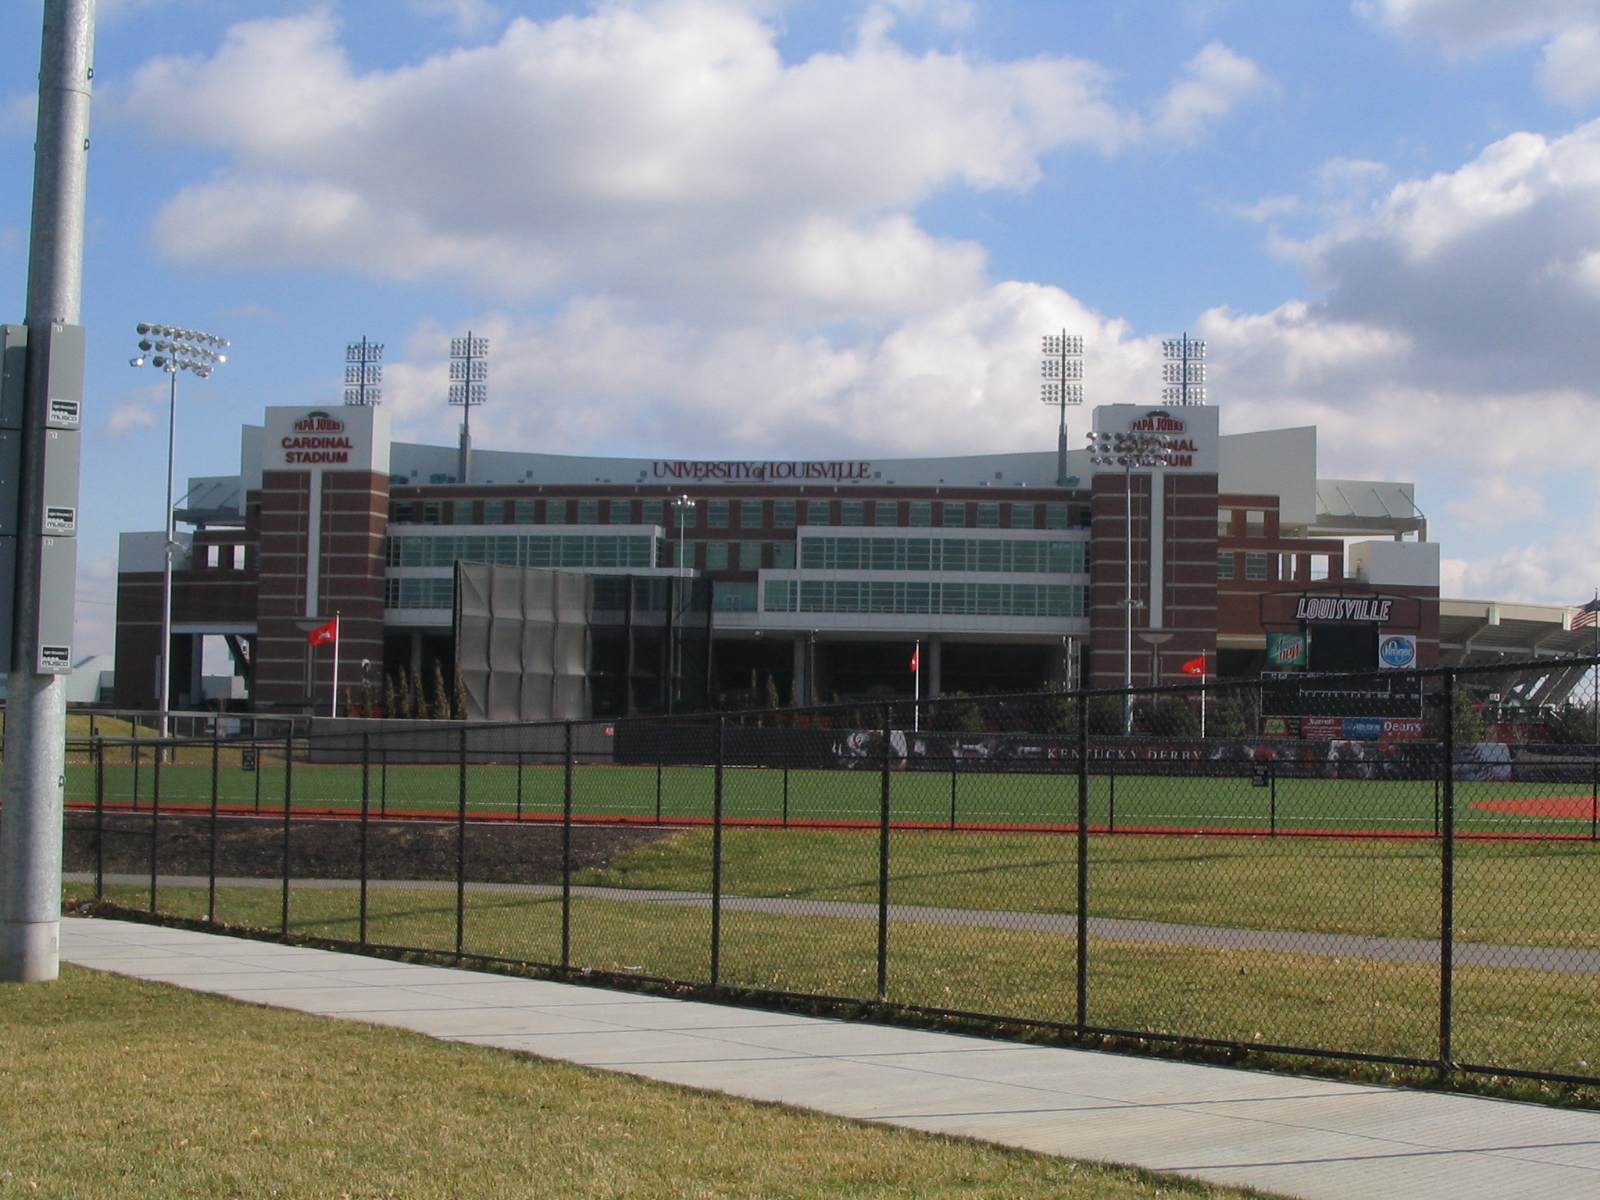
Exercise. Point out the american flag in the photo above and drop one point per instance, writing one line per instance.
(1587, 615)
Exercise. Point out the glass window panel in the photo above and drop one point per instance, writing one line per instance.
(885, 512)
(555, 512)
(1056, 516)
(588, 512)
(461, 512)
(652, 513)
(953, 515)
(783, 514)
(988, 516)
(1224, 564)
(818, 512)
(620, 512)
(494, 512)
(1255, 566)
(852, 512)
(749, 560)
(1022, 516)
(922, 513)
(717, 514)
(716, 556)
(783, 555)
(750, 514)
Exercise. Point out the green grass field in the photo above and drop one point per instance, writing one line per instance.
(140, 1091)
(1125, 801)
(1527, 893)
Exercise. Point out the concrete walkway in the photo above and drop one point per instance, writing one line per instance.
(1313, 1138)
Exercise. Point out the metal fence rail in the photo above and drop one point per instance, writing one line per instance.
(1175, 864)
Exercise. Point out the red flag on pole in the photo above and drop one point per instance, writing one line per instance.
(323, 634)
(1195, 666)
(916, 658)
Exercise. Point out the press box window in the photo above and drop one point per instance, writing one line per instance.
(749, 556)
(988, 516)
(461, 512)
(433, 512)
(717, 514)
(1057, 516)
(588, 512)
(555, 512)
(1255, 566)
(952, 515)
(750, 514)
(852, 512)
(494, 512)
(683, 515)
(1022, 516)
(885, 512)
(818, 512)
(716, 556)
(922, 514)
(522, 512)
(621, 512)
(651, 512)
(783, 514)
(783, 556)
(1224, 564)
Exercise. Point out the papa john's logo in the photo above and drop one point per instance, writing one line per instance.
(319, 422)
(1157, 422)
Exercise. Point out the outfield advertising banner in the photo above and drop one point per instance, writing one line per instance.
(1286, 651)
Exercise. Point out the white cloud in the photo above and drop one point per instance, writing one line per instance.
(127, 417)
(664, 151)
(468, 16)
(1215, 82)
(1569, 29)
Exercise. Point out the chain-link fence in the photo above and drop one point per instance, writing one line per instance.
(1402, 866)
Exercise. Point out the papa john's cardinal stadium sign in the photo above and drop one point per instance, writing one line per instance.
(1188, 431)
(350, 438)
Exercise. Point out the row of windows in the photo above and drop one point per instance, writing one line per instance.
(942, 554)
(1258, 565)
(419, 593)
(526, 550)
(746, 514)
(942, 599)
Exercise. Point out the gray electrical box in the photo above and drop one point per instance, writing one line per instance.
(56, 417)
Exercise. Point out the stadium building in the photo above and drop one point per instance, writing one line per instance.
(731, 583)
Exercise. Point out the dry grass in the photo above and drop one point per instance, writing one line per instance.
(121, 1088)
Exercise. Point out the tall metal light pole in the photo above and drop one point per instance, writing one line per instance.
(682, 513)
(1184, 372)
(1062, 366)
(1128, 450)
(363, 373)
(36, 696)
(468, 370)
(171, 349)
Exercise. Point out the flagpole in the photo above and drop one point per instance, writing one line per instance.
(333, 704)
(1202, 704)
(916, 687)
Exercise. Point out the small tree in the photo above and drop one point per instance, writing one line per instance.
(1468, 720)
(1572, 725)
(1172, 717)
(1225, 721)
(1105, 715)
(1056, 712)
(957, 712)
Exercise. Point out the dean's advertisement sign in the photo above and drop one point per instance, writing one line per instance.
(344, 438)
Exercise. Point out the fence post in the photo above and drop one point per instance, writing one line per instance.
(716, 861)
(1111, 795)
(566, 854)
(99, 819)
(1272, 798)
(461, 845)
(786, 795)
(519, 784)
(1083, 862)
(383, 780)
(1594, 801)
(1447, 868)
(366, 812)
(658, 793)
(155, 817)
(211, 880)
(883, 858)
(288, 798)
(954, 762)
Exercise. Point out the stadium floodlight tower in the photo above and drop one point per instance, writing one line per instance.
(1062, 368)
(363, 373)
(1128, 450)
(1184, 372)
(468, 389)
(171, 349)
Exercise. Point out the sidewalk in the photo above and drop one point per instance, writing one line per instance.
(1313, 1138)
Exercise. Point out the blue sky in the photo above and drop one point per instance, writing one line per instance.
(706, 228)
